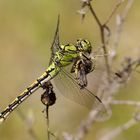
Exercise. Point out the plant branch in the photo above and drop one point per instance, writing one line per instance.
(113, 11)
(120, 22)
(48, 98)
(102, 28)
(117, 131)
(47, 121)
(125, 102)
(94, 15)
(84, 127)
(108, 89)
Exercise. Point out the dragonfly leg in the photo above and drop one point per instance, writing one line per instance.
(82, 67)
(80, 76)
(82, 79)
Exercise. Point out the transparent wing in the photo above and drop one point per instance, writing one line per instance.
(68, 87)
(56, 44)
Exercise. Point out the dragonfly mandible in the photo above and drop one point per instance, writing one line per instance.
(62, 55)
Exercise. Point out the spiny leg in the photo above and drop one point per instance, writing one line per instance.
(81, 68)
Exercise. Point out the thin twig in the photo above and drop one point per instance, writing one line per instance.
(94, 15)
(84, 127)
(49, 133)
(113, 11)
(109, 89)
(47, 121)
(102, 28)
(125, 102)
(120, 22)
(117, 131)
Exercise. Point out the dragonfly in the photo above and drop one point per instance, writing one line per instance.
(70, 63)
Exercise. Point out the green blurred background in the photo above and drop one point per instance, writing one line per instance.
(26, 32)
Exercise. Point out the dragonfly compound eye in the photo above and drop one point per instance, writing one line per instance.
(84, 45)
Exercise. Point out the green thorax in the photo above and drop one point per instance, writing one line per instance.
(63, 57)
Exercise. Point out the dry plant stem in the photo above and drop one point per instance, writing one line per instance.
(84, 128)
(121, 21)
(102, 27)
(29, 128)
(113, 11)
(125, 102)
(47, 121)
(115, 132)
(127, 8)
(109, 89)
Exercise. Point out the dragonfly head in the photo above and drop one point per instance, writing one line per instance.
(84, 45)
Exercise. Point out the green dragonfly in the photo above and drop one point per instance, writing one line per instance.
(76, 59)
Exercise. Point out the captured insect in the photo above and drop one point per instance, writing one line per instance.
(48, 98)
(69, 64)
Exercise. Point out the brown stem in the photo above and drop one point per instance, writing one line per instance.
(113, 11)
(105, 51)
(47, 121)
(95, 15)
(102, 27)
